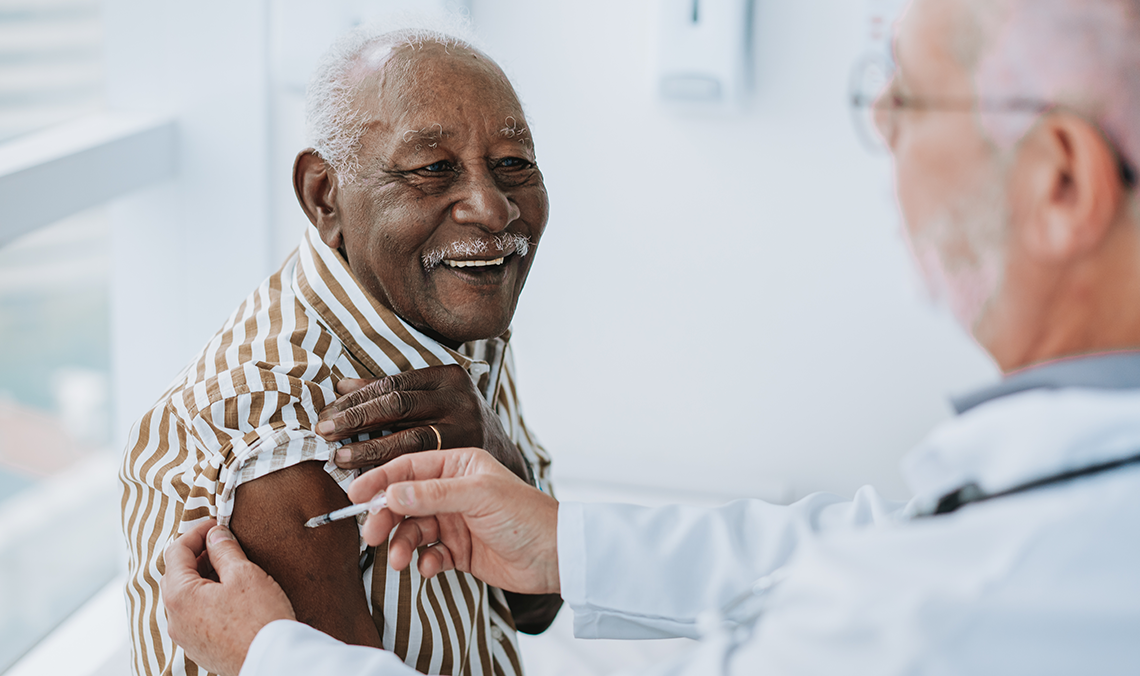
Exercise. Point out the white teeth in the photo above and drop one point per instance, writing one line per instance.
(472, 264)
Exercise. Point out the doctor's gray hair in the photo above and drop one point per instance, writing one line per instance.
(1083, 55)
(332, 123)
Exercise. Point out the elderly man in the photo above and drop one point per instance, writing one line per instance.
(426, 208)
(1013, 128)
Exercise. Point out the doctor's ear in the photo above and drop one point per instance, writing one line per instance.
(1073, 185)
(315, 184)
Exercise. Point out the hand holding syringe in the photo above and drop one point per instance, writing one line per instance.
(372, 506)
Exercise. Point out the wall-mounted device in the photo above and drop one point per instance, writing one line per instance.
(703, 52)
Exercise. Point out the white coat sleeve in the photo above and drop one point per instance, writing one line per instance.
(638, 572)
(286, 648)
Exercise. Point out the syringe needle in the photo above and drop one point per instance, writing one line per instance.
(374, 505)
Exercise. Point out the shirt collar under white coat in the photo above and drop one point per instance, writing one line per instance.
(1039, 422)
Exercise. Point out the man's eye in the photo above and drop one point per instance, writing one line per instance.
(514, 163)
(437, 167)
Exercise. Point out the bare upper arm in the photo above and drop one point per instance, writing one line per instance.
(319, 568)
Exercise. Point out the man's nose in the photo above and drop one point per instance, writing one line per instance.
(483, 203)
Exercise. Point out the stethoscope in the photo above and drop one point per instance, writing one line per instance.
(735, 621)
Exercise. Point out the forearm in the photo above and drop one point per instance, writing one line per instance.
(533, 613)
(701, 558)
(292, 649)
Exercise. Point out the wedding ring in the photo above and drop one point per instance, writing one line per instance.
(438, 438)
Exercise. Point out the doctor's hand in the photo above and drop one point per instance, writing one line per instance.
(409, 405)
(216, 620)
(482, 519)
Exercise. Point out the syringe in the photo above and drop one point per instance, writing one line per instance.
(372, 506)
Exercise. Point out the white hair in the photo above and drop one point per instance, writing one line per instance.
(1080, 54)
(333, 123)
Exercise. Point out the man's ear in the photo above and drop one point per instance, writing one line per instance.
(1072, 187)
(315, 184)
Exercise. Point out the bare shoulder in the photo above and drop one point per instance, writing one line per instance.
(318, 568)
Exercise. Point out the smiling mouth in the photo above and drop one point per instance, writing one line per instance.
(494, 262)
(476, 253)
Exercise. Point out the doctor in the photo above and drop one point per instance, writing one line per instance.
(1014, 130)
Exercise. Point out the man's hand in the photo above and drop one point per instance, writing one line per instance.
(486, 521)
(216, 621)
(409, 404)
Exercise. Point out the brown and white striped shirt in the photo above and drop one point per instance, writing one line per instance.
(246, 407)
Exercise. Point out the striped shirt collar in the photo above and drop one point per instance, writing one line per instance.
(1115, 371)
(376, 337)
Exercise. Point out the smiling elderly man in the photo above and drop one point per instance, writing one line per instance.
(426, 207)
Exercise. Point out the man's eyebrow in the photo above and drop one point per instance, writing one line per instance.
(430, 135)
(515, 131)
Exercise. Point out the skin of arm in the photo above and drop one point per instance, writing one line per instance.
(318, 568)
(533, 613)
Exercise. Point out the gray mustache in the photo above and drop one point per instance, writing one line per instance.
(504, 243)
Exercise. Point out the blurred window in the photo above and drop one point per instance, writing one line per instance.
(51, 66)
(59, 537)
(59, 534)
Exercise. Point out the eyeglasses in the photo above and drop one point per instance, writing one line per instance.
(876, 113)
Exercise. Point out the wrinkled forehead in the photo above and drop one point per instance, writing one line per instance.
(428, 91)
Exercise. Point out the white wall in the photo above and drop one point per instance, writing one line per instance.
(722, 303)
(187, 252)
